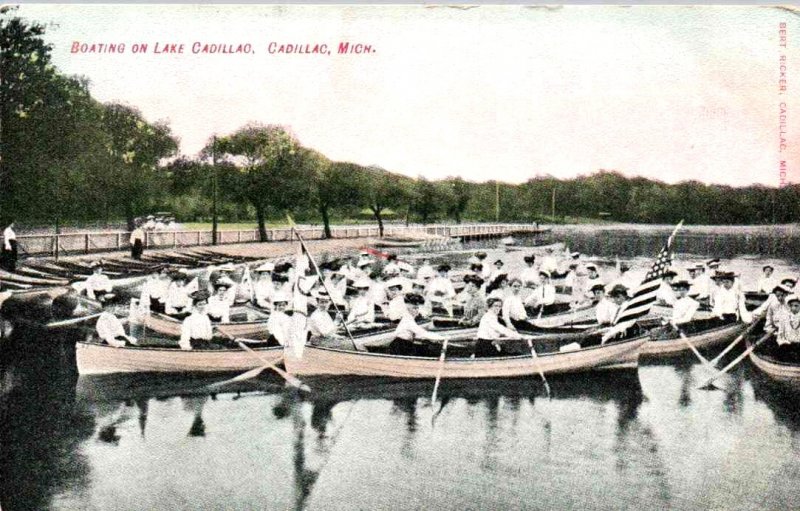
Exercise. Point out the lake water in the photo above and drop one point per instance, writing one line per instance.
(641, 439)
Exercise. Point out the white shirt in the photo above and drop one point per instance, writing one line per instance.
(97, 282)
(137, 234)
(263, 290)
(491, 329)
(391, 268)
(529, 275)
(789, 329)
(549, 264)
(571, 279)
(397, 308)
(424, 271)
(362, 310)
(606, 311)
(513, 308)
(542, 295)
(726, 301)
(279, 326)
(441, 288)
(683, 310)
(701, 286)
(219, 307)
(320, 324)
(177, 298)
(666, 294)
(195, 326)
(408, 329)
(8, 235)
(109, 327)
(767, 284)
(377, 293)
(772, 310)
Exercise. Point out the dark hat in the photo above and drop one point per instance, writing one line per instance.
(624, 267)
(712, 263)
(789, 279)
(618, 290)
(476, 280)
(499, 261)
(781, 288)
(545, 273)
(767, 266)
(724, 275)
(414, 299)
(480, 255)
(223, 282)
(591, 267)
(391, 257)
(669, 273)
(597, 287)
(681, 284)
(529, 258)
(792, 298)
(444, 267)
(200, 296)
(491, 301)
(575, 255)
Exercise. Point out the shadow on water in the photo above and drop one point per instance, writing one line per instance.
(781, 398)
(40, 425)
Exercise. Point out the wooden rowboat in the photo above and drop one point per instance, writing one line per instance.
(535, 249)
(705, 339)
(96, 358)
(252, 325)
(331, 361)
(578, 315)
(781, 371)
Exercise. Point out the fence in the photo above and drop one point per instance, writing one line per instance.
(107, 241)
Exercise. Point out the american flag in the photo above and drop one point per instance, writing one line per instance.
(645, 293)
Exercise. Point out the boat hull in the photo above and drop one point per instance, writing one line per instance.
(94, 358)
(780, 371)
(172, 327)
(706, 339)
(329, 361)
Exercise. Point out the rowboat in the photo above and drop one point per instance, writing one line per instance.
(396, 243)
(246, 321)
(96, 358)
(705, 339)
(579, 314)
(332, 361)
(781, 371)
(555, 247)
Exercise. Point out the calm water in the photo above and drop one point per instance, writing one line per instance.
(645, 439)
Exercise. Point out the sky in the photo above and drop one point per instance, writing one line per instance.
(490, 92)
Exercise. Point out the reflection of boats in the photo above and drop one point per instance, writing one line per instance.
(781, 371)
(704, 339)
(95, 358)
(331, 361)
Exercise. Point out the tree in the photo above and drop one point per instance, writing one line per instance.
(458, 198)
(272, 171)
(428, 198)
(382, 190)
(334, 184)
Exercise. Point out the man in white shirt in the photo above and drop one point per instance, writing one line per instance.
(666, 291)
(441, 291)
(498, 270)
(397, 306)
(112, 332)
(98, 285)
(774, 307)
(392, 268)
(549, 262)
(426, 270)
(530, 275)
(514, 313)
(728, 305)
(768, 281)
(700, 283)
(543, 295)
(196, 329)
(178, 303)
(788, 332)
(684, 307)
(320, 323)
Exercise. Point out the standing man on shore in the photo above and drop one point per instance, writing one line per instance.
(137, 241)
(9, 256)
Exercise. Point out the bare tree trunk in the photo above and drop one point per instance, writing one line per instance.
(326, 222)
(377, 213)
(262, 227)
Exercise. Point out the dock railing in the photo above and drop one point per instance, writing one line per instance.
(109, 241)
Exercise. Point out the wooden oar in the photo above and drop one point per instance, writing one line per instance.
(694, 350)
(439, 371)
(735, 341)
(71, 321)
(252, 373)
(290, 379)
(538, 366)
(735, 361)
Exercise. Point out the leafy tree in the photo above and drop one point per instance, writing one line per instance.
(458, 198)
(382, 190)
(334, 185)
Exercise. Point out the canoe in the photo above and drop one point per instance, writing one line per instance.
(96, 358)
(781, 371)
(252, 326)
(705, 339)
(338, 362)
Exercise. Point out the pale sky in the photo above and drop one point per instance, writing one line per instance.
(491, 92)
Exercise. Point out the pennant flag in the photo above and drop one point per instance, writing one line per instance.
(644, 294)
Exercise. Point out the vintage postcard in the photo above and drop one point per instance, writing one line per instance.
(390, 257)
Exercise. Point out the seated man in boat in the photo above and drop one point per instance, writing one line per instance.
(425, 270)
(408, 331)
(608, 307)
(475, 306)
(396, 308)
(596, 294)
(549, 261)
(419, 287)
(543, 296)
(219, 306)
(279, 324)
(362, 308)
(179, 302)
(154, 291)
(530, 275)
(767, 281)
(196, 330)
(441, 291)
(684, 307)
(322, 327)
(391, 268)
(491, 333)
(263, 288)
(98, 285)
(666, 292)
(774, 307)
(112, 332)
(788, 334)
(513, 311)
(728, 304)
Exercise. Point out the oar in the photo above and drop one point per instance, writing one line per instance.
(692, 347)
(735, 341)
(290, 379)
(252, 373)
(538, 366)
(439, 371)
(71, 321)
(735, 361)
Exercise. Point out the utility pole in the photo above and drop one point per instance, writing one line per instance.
(214, 192)
(553, 206)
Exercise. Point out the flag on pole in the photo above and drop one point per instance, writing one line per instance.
(644, 295)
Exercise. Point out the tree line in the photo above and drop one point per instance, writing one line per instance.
(65, 156)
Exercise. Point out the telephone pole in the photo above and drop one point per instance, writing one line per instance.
(214, 191)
